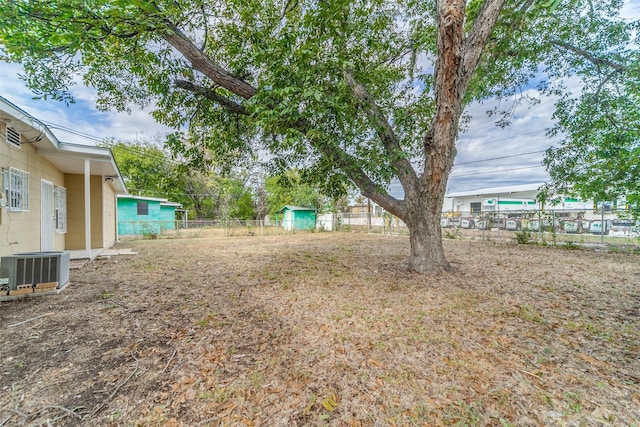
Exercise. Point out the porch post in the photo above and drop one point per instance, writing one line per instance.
(115, 196)
(87, 206)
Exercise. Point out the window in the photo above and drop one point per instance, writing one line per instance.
(476, 207)
(143, 208)
(60, 206)
(13, 137)
(16, 189)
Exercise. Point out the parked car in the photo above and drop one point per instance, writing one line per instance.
(533, 225)
(445, 223)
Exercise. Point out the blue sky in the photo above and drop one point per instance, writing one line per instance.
(483, 139)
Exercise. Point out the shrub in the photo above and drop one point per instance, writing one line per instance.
(569, 244)
(453, 233)
(523, 236)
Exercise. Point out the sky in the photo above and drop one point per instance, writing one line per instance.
(488, 156)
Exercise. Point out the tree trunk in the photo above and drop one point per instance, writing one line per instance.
(425, 237)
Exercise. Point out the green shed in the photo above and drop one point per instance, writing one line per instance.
(139, 215)
(298, 218)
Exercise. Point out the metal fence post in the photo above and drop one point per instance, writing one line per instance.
(602, 225)
(553, 225)
(540, 225)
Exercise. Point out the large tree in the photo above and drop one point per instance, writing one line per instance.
(348, 91)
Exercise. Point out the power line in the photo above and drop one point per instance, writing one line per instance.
(52, 125)
(500, 158)
(495, 171)
(137, 149)
(501, 139)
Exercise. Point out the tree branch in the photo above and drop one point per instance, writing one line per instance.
(602, 83)
(383, 128)
(475, 43)
(212, 95)
(589, 57)
(334, 153)
(458, 58)
(201, 62)
(349, 165)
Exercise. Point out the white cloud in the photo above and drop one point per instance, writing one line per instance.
(630, 9)
(489, 155)
(82, 118)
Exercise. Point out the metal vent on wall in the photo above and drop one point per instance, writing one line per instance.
(13, 137)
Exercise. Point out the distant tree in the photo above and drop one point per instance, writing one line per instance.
(340, 204)
(260, 201)
(145, 167)
(152, 171)
(289, 189)
(243, 207)
(199, 192)
(214, 196)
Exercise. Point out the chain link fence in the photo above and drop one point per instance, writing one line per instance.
(129, 230)
(569, 227)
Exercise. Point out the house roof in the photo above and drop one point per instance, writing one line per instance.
(150, 199)
(162, 201)
(297, 208)
(497, 190)
(67, 157)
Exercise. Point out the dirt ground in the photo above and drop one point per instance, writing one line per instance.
(328, 329)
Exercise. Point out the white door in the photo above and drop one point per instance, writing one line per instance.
(47, 219)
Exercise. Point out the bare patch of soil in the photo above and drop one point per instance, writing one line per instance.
(328, 329)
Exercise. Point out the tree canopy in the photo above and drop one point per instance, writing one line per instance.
(151, 171)
(349, 92)
(289, 189)
(599, 154)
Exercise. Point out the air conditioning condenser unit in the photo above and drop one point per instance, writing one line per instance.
(38, 270)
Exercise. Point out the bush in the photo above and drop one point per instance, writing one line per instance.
(571, 245)
(523, 237)
(453, 233)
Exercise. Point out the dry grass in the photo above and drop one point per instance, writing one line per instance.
(328, 329)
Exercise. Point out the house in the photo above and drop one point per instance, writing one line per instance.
(55, 196)
(139, 215)
(297, 218)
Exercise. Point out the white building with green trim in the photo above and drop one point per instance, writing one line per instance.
(507, 199)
